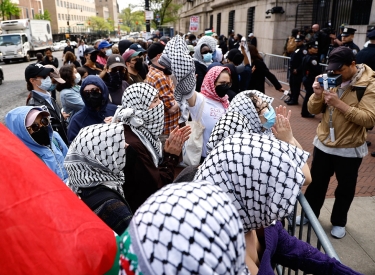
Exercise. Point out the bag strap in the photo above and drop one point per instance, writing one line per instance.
(360, 91)
(201, 109)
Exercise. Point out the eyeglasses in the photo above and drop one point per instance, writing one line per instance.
(226, 84)
(44, 122)
(206, 52)
(94, 92)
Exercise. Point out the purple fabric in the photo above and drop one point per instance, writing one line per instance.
(290, 252)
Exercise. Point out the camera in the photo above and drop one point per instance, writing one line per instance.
(333, 80)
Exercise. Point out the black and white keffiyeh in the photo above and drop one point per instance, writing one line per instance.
(146, 123)
(185, 228)
(242, 104)
(176, 57)
(209, 41)
(97, 156)
(260, 174)
(227, 125)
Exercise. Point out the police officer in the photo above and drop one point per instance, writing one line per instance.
(347, 37)
(295, 78)
(231, 40)
(367, 55)
(310, 69)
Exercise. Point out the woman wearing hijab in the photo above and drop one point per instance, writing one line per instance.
(212, 102)
(263, 177)
(95, 164)
(149, 166)
(186, 228)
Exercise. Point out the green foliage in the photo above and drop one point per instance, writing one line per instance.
(134, 20)
(8, 8)
(45, 16)
(111, 24)
(167, 11)
(97, 23)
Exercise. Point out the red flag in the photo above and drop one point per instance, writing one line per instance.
(44, 227)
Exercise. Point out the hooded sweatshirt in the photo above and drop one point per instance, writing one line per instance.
(52, 155)
(87, 116)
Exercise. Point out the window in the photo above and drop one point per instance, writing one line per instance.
(58, 3)
(231, 21)
(40, 11)
(211, 21)
(360, 12)
(59, 16)
(32, 13)
(27, 13)
(250, 20)
(218, 23)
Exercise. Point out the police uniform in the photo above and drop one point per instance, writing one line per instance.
(295, 78)
(310, 69)
(367, 55)
(351, 44)
(231, 41)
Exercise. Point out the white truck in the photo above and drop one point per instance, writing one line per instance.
(23, 38)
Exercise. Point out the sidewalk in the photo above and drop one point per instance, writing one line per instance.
(357, 248)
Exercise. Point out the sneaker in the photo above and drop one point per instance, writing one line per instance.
(338, 232)
(298, 220)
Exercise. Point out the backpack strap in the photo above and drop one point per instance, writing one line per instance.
(360, 91)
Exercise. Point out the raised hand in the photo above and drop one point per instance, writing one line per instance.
(173, 145)
(281, 110)
(282, 129)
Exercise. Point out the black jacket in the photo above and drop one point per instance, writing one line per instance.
(296, 60)
(54, 62)
(367, 56)
(259, 75)
(57, 120)
(352, 46)
(200, 71)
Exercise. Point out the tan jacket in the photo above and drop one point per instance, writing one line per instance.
(349, 127)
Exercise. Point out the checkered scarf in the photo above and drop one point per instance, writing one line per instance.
(227, 125)
(208, 85)
(146, 123)
(97, 156)
(242, 103)
(261, 175)
(185, 228)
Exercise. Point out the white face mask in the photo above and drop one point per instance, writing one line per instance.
(108, 52)
(45, 84)
(77, 78)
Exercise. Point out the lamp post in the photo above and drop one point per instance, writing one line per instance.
(147, 8)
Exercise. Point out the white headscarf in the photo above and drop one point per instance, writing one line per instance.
(185, 228)
(146, 123)
(261, 175)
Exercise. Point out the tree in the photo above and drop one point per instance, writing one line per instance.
(165, 11)
(8, 8)
(97, 23)
(111, 24)
(45, 16)
(135, 20)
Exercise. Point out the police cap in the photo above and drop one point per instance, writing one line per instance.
(312, 44)
(299, 38)
(348, 31)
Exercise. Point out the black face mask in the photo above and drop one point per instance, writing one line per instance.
(115, 79)
(221, 90)
(42, 136)
(94, 101)
(138, 65)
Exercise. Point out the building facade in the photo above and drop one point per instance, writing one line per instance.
(75, 12)
(28, 9)
(108, 9)
(272, 24)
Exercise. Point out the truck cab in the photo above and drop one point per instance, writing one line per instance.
(14, 46)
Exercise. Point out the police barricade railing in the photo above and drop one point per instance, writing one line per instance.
(320, 237)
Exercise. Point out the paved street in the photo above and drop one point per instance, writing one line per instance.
(13, 91)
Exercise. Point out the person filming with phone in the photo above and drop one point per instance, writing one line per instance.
(340, 143)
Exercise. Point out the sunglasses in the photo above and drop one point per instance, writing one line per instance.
(226, 84)
(94, 92)
(44, 122)
(206, 52)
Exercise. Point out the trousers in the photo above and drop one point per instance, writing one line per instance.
(295, 81)
(322, 169)
(307, 83)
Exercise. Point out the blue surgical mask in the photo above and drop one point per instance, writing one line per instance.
(108, 52)
(51, 88)
(207, 57)
(46, 84)
(270, 115)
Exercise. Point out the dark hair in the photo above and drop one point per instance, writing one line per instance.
(254, 100)
(69, 56)
(295, 32)
(143, 44)
(48, 50)
(254, 53)
(39, 56)
(66, 73)
(192, 37)
(29, 86)
(82, 71)
(204, 45)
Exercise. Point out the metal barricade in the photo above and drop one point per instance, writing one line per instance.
(319, 237)
(279, 66)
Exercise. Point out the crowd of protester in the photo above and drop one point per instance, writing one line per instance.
(113, 121)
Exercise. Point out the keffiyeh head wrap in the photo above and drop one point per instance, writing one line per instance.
(208, 85)
(185, 228)
(209, 41)
(198, 56)
(227, 125)
(146, 123)
(176, 57)
(242, 103)
(97, 156)
(261, 175)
